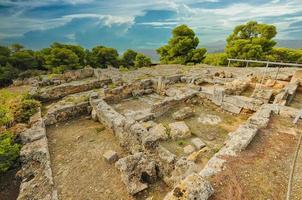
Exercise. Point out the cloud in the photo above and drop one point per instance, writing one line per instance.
(138, 23)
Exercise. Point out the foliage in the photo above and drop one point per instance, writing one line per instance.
(26, 109)
(181, 48)
(9, 151)
(61, 59)
(142, 61)
(7, 74)
(251, 41)
(128, 58)
(102, 57)
(216, 59)
(285, 55)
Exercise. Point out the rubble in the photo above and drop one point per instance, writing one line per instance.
(179, 130)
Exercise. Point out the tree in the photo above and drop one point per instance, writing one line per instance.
(128, 58)
(102, 57)
(251, 41)
(7, 74)
(23, 60)
(285, 55)
(142, 61)
(181, 47)
(61, 59)
(16, 47)
(5, 53)
(78, 50)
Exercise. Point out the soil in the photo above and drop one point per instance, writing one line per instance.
(297, 100)
(79, 170)
(262, 170)
(9, 185)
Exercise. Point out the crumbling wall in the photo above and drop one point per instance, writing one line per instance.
(37, 181)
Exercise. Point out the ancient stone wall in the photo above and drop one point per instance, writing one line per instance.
(37, 181)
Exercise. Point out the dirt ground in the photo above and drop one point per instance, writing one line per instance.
(262, 170)
(79, 170)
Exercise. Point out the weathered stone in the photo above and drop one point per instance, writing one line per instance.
(110, 156)
(137, 172)
(183, 113)
(218, 95)
(209, 119)
(231, 108)
(189, 149)
(193, 187)
(198, 143)
(179, 130)
(159, 131)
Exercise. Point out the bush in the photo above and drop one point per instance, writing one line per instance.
(9, 151)
(5, 116)
(142, 61)
(26, 109)
(216, 59)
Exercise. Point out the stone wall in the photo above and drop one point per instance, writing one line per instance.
(36, 174)
(56, 92)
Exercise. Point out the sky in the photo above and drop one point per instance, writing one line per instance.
(138, 24)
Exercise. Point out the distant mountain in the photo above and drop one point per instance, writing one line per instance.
(218, 46)
(151, 53)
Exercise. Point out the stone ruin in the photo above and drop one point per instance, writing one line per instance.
(97, 93)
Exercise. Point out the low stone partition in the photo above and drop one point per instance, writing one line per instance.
(168, 102)
(230, 103)
(137, 88)
(36, 174)
(56, 92)
(68, 76)
(287, 94)
(241, 138)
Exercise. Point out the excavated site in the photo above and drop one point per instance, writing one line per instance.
(166, 132)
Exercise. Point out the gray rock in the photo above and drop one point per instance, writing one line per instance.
(179, 130)
(189, 149)
(183, 113)
(110, 156)
(198, 143)
(193, 187)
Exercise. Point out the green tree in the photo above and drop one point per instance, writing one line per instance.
(78, 50)
(142, 61)
(61, 59)
(285, 55)
(16, 47)
(23, 60)
(181, 48)
(102, 57)
(251, 41)
(128, 58)
(7, 74)
(5, 53)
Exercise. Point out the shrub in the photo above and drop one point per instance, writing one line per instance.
(5, 116)
(142, 61)
(9, 151)
(216, 59)
(26, 109)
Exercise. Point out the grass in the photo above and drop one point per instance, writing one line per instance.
(100, 129)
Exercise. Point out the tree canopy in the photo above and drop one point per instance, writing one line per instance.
(102, 57)
(251, 41)
(182, 47)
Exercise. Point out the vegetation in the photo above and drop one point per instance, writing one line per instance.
(251, 41)
(142, 61)
(16, 61)
(182, 47)
(216, 59)
(9, 151)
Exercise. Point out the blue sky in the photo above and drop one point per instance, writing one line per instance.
(138, 24)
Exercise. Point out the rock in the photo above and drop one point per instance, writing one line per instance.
(110, 156)
(94, 116)
(198, 143)
(195, 155)
(209, 119)
(193, 187)
(159, 131)
(189, 149)
(137, 172)
(148, 124)
(183, 113)
(179, 130)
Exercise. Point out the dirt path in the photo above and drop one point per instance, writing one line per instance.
(262, 171)
(80, 172)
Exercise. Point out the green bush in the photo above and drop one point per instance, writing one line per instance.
(26, 109)
(5, 116)
(216, 59)
(142, 61)
(9, 151)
